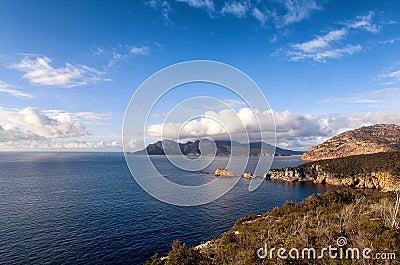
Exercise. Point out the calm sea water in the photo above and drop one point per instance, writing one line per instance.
(85, 208)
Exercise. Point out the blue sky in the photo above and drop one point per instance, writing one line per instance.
(69, 68)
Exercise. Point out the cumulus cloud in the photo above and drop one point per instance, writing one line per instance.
(10, 90)
(297, 131)
(87, 117)
(39, 71)
(32, 129)
(30, 122)
(14, 134)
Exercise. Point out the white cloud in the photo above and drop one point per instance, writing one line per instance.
(31, 129)
(119, 53)
(364, 22)
(385, 96)
(281, 13)
(297, 11)
(297, 131)
(12, 134)
(234, 103)
(79, 145)
(9, 89)
(86, 117)
(321, 42)
(144, 50)
(390, 41)
(97, 52)
(390, 78)
(115, 58)
(74, 145)
(39, 71)
(206, 4)
(236, 8)
(164, 6)
(92, 116)
(322, 56)
(259, 15)
(30, 121)
(331, 45)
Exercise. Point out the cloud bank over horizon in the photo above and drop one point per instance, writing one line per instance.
(31, 129)
(296, 131)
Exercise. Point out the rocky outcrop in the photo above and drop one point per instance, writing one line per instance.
(249, 176)
(385, 177)
(365, 140)
(222, 172)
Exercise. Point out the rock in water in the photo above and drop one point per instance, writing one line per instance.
(222, 172)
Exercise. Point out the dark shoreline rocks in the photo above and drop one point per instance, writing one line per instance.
(375, 171)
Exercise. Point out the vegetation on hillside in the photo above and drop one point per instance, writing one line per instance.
(364, 218)
(359, 164)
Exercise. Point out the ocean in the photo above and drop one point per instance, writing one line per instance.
(86, 208)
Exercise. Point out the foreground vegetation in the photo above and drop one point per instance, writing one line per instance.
(366, 219)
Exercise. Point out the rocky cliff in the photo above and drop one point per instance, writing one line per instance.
(365, 140)
(376, 171)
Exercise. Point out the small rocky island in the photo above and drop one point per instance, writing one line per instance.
(222, 172)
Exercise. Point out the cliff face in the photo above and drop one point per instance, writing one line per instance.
(365, 140)
(375, 171)
(384, 181)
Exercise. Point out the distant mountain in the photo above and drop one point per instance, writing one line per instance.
(365, 140)
(224, 148)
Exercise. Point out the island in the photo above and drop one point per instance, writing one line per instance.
(223, 148)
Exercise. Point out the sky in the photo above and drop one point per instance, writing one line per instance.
(68, 69)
